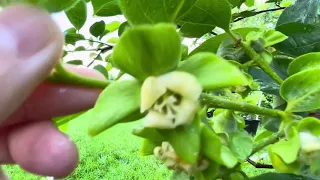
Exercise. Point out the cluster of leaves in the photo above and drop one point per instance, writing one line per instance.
(229, 68)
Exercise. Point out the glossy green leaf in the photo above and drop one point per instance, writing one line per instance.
(213, 72)
(303, 38)
(75, 62)
(241, 145)
(102, 70)
(212, 148)
(105, 7)
(280, 176)
(272, 37)
(204, 16)
(302, 91)
(119, 102)
(77, 14)
(112, 26)
(185, 140)
(307, 9)
(80, 48)
(310, 124)
(212, 44)
(98, 28)
(157, 11)
(249, 3)
(53, 6)
(304, 62)
(142, 51)
(73, 38)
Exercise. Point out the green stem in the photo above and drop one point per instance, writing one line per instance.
(61, 75)
(258, 59)
(218, 102)
(264, 143)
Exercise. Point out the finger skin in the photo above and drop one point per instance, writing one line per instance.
(40, 148)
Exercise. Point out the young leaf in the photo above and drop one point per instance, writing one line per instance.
(157, 11)
(142, 51)
(119, 102)
(80, 48)
(77, 15)
(204, 16)
(302, 91)
(105, 7)
(114, 25)
(213, 72)
(263, 135)
(304, 62)
(98, 28)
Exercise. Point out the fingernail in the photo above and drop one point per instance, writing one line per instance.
(28, 29)
(8, 41)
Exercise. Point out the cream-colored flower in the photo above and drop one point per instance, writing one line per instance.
(171, 99)
(309, 142)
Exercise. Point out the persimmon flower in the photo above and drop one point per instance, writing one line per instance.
(170, 100)
(309, 142)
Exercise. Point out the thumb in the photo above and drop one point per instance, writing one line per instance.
(30, 46)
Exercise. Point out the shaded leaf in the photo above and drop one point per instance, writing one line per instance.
(280, 176)
(303, 39)
(53, 6)
(124, 26)
(105, 7)
(77, 15)
(102, 70)
(75, 62)
(98, 28)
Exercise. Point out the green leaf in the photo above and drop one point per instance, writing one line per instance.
(302, 91)
(284, 153)
(124, 26)
(212, 44)
(98, 28)
(59, 121)
(149, 133)
(279, 176)
(212, 171)
(105, 7)
(303, 39)
(311, 125)
(307, 12)
(234, 3)
(272, 37)
(157, 11)
(102, 70)
(142, 51)
(114, 25)
(185, 140)
(73, 38)
(304, 62)
(263, 135)
(184, 51)
(249, 3)
(147, 147)
(80, 48)
(77, 15)
(53, 6)
(227, 122)
(241, 145)
(204, 16)
(75, 62)
(119, 102)
(113, 40)
(64, 127)
(212, 148)
(213, 72)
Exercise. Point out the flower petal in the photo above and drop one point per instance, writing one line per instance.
(186, 112)
(182, 83)
(152, 89)
(157, 120)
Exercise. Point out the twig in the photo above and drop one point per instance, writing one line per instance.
(259, 165)
(102, 50)
(260, 12)
(96, 41)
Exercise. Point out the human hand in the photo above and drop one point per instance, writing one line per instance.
(30, 46)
